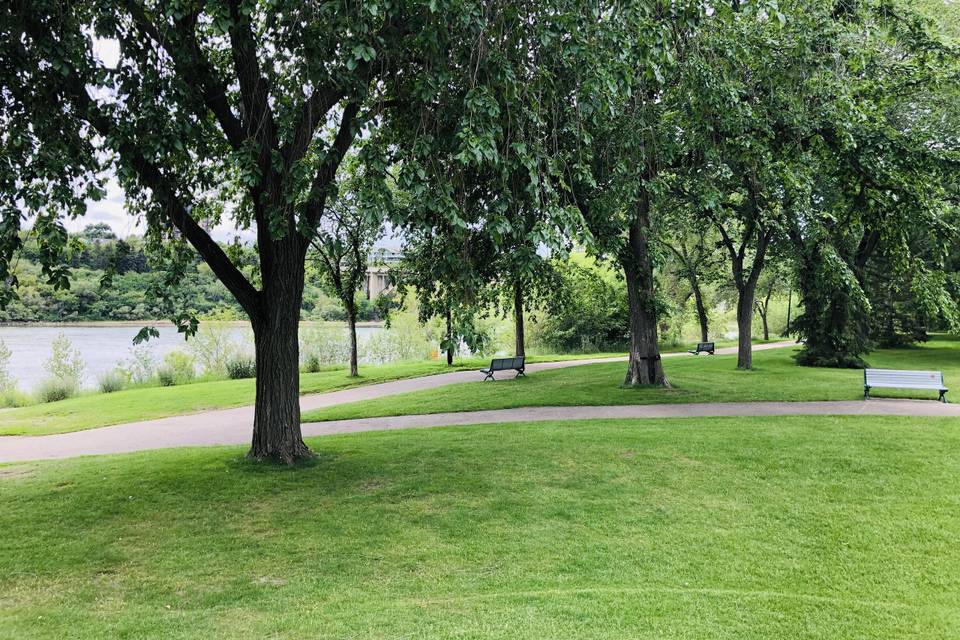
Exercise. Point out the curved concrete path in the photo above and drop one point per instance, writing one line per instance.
(232, 426)
(126, 438)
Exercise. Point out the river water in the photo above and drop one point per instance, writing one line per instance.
(102, 347)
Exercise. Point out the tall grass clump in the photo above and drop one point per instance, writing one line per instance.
(111, 381)
(178, 368)
(241, 367)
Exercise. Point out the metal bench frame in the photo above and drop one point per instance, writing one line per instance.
(703, 347)
(505, 364)
(903, 379)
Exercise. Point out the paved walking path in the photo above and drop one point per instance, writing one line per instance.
(232, 426)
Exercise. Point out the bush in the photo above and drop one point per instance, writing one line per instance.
(406, 339)
(56, 389)
(214, 346)
(166, 376)
(15, 398)
(322, 345)
(240, 367)
(333, 313)
(141, 365)
(7, 381)
(65, 363)
(312, 364)
(179, 366)
(589, 312)
(111, 381)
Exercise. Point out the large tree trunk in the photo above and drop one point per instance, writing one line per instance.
(352, 326)
(701, 310)
(518, 317)
(789, 308)
(449, 337)
(276, 422)
(644, 366)
(745, 301)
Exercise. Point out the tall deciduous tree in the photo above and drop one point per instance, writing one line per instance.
(873, 181)
(348, 229)
(216, 110)
(619, 141)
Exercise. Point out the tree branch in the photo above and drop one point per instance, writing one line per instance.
(194, 69)
(328, 169)
(166, 195)
(254, 87)
(313, 112)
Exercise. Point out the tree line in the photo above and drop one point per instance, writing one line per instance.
(96, 255)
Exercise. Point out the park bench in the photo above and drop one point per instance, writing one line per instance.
(703, 347)
(504, 364)
(895, 379)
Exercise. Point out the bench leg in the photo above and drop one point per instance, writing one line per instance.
(490, 377)
(520, 373)
(943, 397)
(866, 393)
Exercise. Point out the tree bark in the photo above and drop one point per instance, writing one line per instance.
(449, 337)
(518, 317)
(352, 326)
(276, 422)
(644, 366)
(789, 307)
(745, 301)
(701, 310)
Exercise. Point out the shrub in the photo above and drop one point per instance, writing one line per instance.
(324, 344)
(166, 376)
(406, 339)
(7, 381)
(312, 364)
(65, 367)
(56, 389)
(180, 366)
(214, 346)
(141, 365)
(15, 398)
(333, 313)
(588, 312)
(111, 381)
(241, 367)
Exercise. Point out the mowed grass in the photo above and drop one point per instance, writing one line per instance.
(775, 377)
(798, 527)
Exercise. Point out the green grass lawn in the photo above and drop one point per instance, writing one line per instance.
(702, 379)
(749, 528)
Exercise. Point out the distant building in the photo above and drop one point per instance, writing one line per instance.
(378, 272)
(378, 281)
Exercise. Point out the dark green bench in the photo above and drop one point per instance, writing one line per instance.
(703, 347)
(504, 364)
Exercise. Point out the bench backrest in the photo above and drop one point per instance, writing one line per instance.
(704, 346)
(504, 364)
(895, 377)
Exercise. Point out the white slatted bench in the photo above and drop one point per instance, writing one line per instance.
(895, 379)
